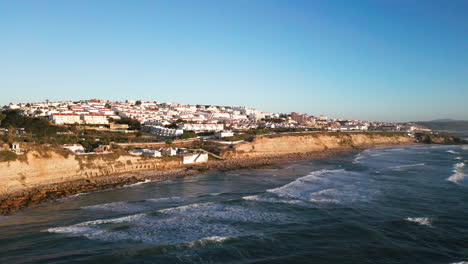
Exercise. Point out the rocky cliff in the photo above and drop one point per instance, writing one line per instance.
(37, 169)
(313, 142)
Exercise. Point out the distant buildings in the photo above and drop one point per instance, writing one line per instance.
(202, 127)
(157, 117)
(163, 131)
(94, 119)
(65, 119)
(301, 118)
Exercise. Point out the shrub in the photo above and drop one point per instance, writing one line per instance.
(7, 156)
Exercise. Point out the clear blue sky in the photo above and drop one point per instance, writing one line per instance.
(394, 60)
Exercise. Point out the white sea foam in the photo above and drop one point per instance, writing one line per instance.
(461, 262)
(458, 174)
(123, 207)
(453, 152)
(210, 240)
(199, 223)
(136, 184)
(408, 166)
(420, 220)
(167, 199)
(321, 188)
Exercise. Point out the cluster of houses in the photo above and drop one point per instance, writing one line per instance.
(188, 156)
(156, 117)
(93, 112)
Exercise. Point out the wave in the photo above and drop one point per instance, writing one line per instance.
(461, 262)
(210, 240)
(121, 207)
(199, 223)
(420, 220)
(133, 207)
(167, 199)
(453, 152)
(408, 166)
(322, 188)
(458, 174)
(136, 184)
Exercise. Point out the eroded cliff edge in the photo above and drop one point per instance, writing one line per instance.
(314, 142)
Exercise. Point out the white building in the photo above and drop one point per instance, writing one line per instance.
(75, 148)
(149, 152)
(164, 131)
(170, 151)
(94, 119)
(65, 119)
(223, 134)
(204, 127)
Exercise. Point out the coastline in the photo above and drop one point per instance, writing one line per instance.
(11, 203)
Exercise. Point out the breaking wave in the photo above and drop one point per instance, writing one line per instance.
(408, 166)
(458, 174)
(322, 187)
(420, 220)
(136, 184)
(453, 152)
(198, 223)
(121, 207)
(167, 199)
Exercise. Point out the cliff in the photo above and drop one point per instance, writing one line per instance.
(44, 175)
(313, 142)
(38, 169)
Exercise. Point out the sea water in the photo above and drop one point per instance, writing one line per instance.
(386, 205)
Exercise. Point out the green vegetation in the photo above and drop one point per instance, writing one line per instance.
(188, 134)
(172, 126)
(39, 128)
(2, 117)
(7, 156)
(132, 123)
(209, 146)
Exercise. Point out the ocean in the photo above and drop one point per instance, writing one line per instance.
(387, 205)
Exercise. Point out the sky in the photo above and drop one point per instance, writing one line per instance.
(390, 60)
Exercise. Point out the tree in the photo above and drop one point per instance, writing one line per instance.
(188, 134)
(132, 123)
(138, 102)
(2, 117)
(173, 126)
(108, 106)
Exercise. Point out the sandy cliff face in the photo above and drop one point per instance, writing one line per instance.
(262, 146)
(53, 168)
(38, 170)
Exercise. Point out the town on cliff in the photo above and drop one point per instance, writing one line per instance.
(152, 129)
